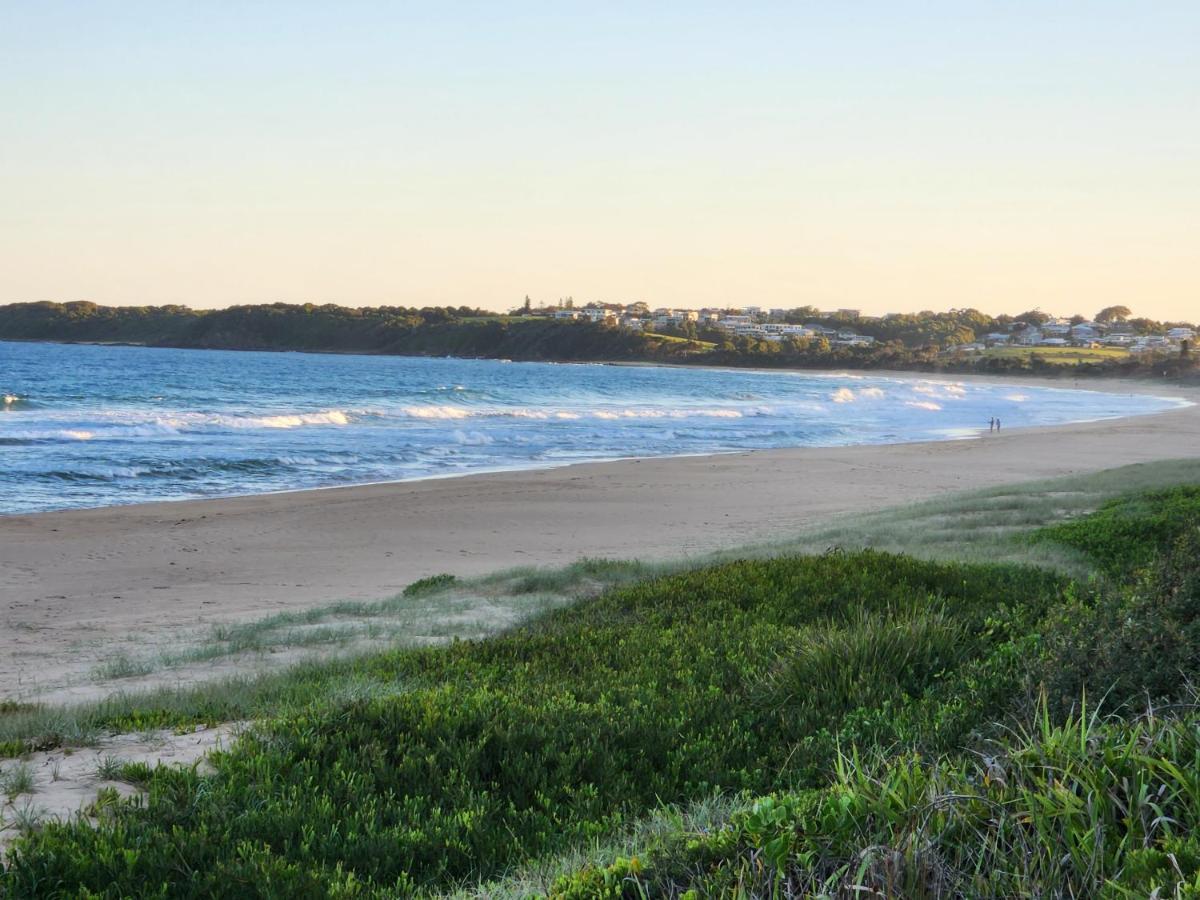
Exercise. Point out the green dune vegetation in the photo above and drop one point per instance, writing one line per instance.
(869, 710)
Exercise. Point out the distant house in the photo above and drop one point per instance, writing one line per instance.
(818, 328)
(1181, 334)
(996, 339)
(676, 318)
(733, 323)
(748, 330)
(566, 314)
(596, 314)
(1030, 337)
(850, 339)
(797, 331)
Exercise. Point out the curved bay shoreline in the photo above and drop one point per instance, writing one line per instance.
(87, 578)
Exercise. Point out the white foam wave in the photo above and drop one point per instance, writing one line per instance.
(924, 404)
(472, 438)
(329, 417)
(298, 461)
(848, 395)
(436, 412)
(113, 473)
(938, 389)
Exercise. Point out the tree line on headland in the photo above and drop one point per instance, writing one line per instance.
(916, 341)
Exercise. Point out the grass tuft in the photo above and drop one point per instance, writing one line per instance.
(17, 778)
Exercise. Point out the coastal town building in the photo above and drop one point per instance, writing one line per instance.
(773, 325)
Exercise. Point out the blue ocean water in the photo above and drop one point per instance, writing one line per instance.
(85, 426)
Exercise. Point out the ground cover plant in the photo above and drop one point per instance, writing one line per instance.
(1067, 804)
(1091, 807)
(839, 724)
(724, 679)
(1129, 532)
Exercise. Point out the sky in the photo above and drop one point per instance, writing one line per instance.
(884, 156)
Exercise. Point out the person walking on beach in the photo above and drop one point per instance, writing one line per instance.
(997, 424)
(992, 424)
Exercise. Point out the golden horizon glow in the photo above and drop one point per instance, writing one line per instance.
(687, 156)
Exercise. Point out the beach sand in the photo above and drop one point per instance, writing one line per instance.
(75, 582)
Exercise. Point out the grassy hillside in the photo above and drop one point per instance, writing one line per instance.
(792, 726)
(903, 342)
(1059, 356)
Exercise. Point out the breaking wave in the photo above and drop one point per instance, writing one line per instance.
(136, 429)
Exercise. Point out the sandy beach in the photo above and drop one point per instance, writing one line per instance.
(82, 579)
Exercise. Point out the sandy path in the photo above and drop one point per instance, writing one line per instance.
(75, 582)
(65, 783)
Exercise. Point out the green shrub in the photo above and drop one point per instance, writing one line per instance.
(430, 585)
(1088, 808)
(1140, 643)
(1128, 533)
(565, 730)
(872, 657)
(754, 677)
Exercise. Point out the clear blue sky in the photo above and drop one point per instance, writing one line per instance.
(886, 156)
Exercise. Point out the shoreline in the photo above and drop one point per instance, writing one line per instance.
(80, 584)
(1130, 387)
(1047, 380)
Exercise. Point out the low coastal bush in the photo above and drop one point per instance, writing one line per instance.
(841, 690)
(568, 729)
(430, 585)
(1127, 534)
(1087, 808)
(1139, 643)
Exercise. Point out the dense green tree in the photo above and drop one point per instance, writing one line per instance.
(1033, 317)
(1113, 314)
(908, 341)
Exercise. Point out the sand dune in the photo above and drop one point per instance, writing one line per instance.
(75, 582)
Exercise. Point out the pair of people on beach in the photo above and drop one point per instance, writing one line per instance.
(993, 424)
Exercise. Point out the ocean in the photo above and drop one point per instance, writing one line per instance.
(87, 426)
